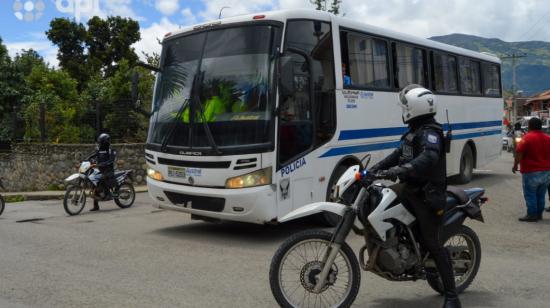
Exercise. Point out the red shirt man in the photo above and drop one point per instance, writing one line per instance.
(534, 152)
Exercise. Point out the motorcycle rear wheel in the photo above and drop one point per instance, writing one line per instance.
(74, 200)
(2, 204)
(473, 255)
(126, 195)
(301, 255)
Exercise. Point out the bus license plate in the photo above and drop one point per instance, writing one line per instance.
(175, 172)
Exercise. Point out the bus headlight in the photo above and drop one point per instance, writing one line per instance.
(154, 174)
(256, 178)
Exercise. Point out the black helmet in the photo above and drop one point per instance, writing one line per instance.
(104, 141)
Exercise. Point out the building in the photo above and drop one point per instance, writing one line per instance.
(539, 104)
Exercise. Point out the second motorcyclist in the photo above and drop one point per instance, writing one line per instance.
(420, 164)
(105, 158)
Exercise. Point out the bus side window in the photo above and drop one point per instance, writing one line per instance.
(491, 79)
(410, 66)
(445, 73)
(367, 60)
(470, 76)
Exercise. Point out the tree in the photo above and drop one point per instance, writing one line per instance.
(109, 42)
(58, 92)
(69, 36)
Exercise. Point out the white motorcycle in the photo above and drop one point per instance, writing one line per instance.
(316, 268)
(88, 179)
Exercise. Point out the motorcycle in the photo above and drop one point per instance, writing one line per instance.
(2, 201)
(86, 182)
(318, 268)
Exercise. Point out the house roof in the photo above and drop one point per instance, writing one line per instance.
(540, 97)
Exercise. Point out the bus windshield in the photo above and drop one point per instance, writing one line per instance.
(230, 98)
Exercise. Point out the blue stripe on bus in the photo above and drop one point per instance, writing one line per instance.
(397, 131)
(395, 144)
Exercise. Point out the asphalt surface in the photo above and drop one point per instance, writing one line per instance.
(143, 257)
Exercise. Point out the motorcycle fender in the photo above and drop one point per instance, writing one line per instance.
(452, 223)
(72, 177)
(314, 208)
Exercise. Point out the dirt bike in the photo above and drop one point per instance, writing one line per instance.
(87, 182)
(318, 268)
(2, 201)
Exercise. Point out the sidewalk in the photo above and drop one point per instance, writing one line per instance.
(51, 194)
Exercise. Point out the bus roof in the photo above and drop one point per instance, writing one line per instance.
(283, 15)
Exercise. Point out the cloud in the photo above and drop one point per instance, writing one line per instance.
(188, 17)
(43, 47)
(167, 7)
(151, 35)
(510, 20)
(120, 8)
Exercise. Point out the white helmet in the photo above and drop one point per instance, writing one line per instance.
(416, 101)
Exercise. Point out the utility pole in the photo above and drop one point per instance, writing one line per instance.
(514, 57)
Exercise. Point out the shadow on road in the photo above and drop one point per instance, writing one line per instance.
(468, 299)
(234, 231)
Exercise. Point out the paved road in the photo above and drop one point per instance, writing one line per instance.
(142, 257)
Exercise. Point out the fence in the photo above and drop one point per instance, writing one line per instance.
(48, 125)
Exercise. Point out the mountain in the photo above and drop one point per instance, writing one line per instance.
(532, 72)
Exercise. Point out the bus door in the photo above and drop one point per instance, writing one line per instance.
(306, 111)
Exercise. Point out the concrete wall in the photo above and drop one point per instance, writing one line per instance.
(33, 167)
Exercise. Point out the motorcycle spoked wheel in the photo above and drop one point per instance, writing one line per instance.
(126, 195)
(464, 248)
(2, 204)
(74, 200)
(297, 264)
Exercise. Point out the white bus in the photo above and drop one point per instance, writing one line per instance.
(257, 115)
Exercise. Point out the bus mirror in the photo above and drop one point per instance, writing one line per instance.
(286, 80)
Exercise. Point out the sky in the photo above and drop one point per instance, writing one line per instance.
(23, 22)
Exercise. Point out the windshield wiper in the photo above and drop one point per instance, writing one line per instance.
(174, 124)
(195, 100)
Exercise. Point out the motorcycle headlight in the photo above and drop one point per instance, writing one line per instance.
(518, 139)
(256, 178)
(154, 174)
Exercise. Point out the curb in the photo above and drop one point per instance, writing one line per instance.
(46, 195)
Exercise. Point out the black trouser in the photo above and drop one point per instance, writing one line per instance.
(429, 227)
(105, 183)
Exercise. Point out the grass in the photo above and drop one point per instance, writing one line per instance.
(14, 198)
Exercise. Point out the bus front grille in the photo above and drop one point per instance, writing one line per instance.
(202, 203)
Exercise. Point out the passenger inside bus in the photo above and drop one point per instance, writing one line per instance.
(347, 78)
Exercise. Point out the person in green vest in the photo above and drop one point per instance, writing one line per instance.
(219, 102)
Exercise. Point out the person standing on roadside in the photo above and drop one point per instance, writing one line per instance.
(533, 156)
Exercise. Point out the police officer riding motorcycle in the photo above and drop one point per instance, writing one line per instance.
(420, 165)
(104, 158)
(404, 225)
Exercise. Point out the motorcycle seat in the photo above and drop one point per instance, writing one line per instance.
(456, 196)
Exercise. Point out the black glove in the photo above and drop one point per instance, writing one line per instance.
(393, 173)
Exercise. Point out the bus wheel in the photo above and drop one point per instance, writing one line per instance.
(466, 166)
(331, 219)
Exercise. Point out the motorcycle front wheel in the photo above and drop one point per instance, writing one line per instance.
(465, 252)
(125, 195)
(74, 200)
(296, 266)
(2, 204)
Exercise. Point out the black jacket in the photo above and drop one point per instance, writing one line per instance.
(422, 153)
(105, 160)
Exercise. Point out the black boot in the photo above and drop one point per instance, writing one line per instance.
(445, 268)
(451, 300)
(96, 206)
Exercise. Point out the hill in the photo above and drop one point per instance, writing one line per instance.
(533, 71)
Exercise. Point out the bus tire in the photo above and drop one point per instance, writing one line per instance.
(466, 166)
(331, 219)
